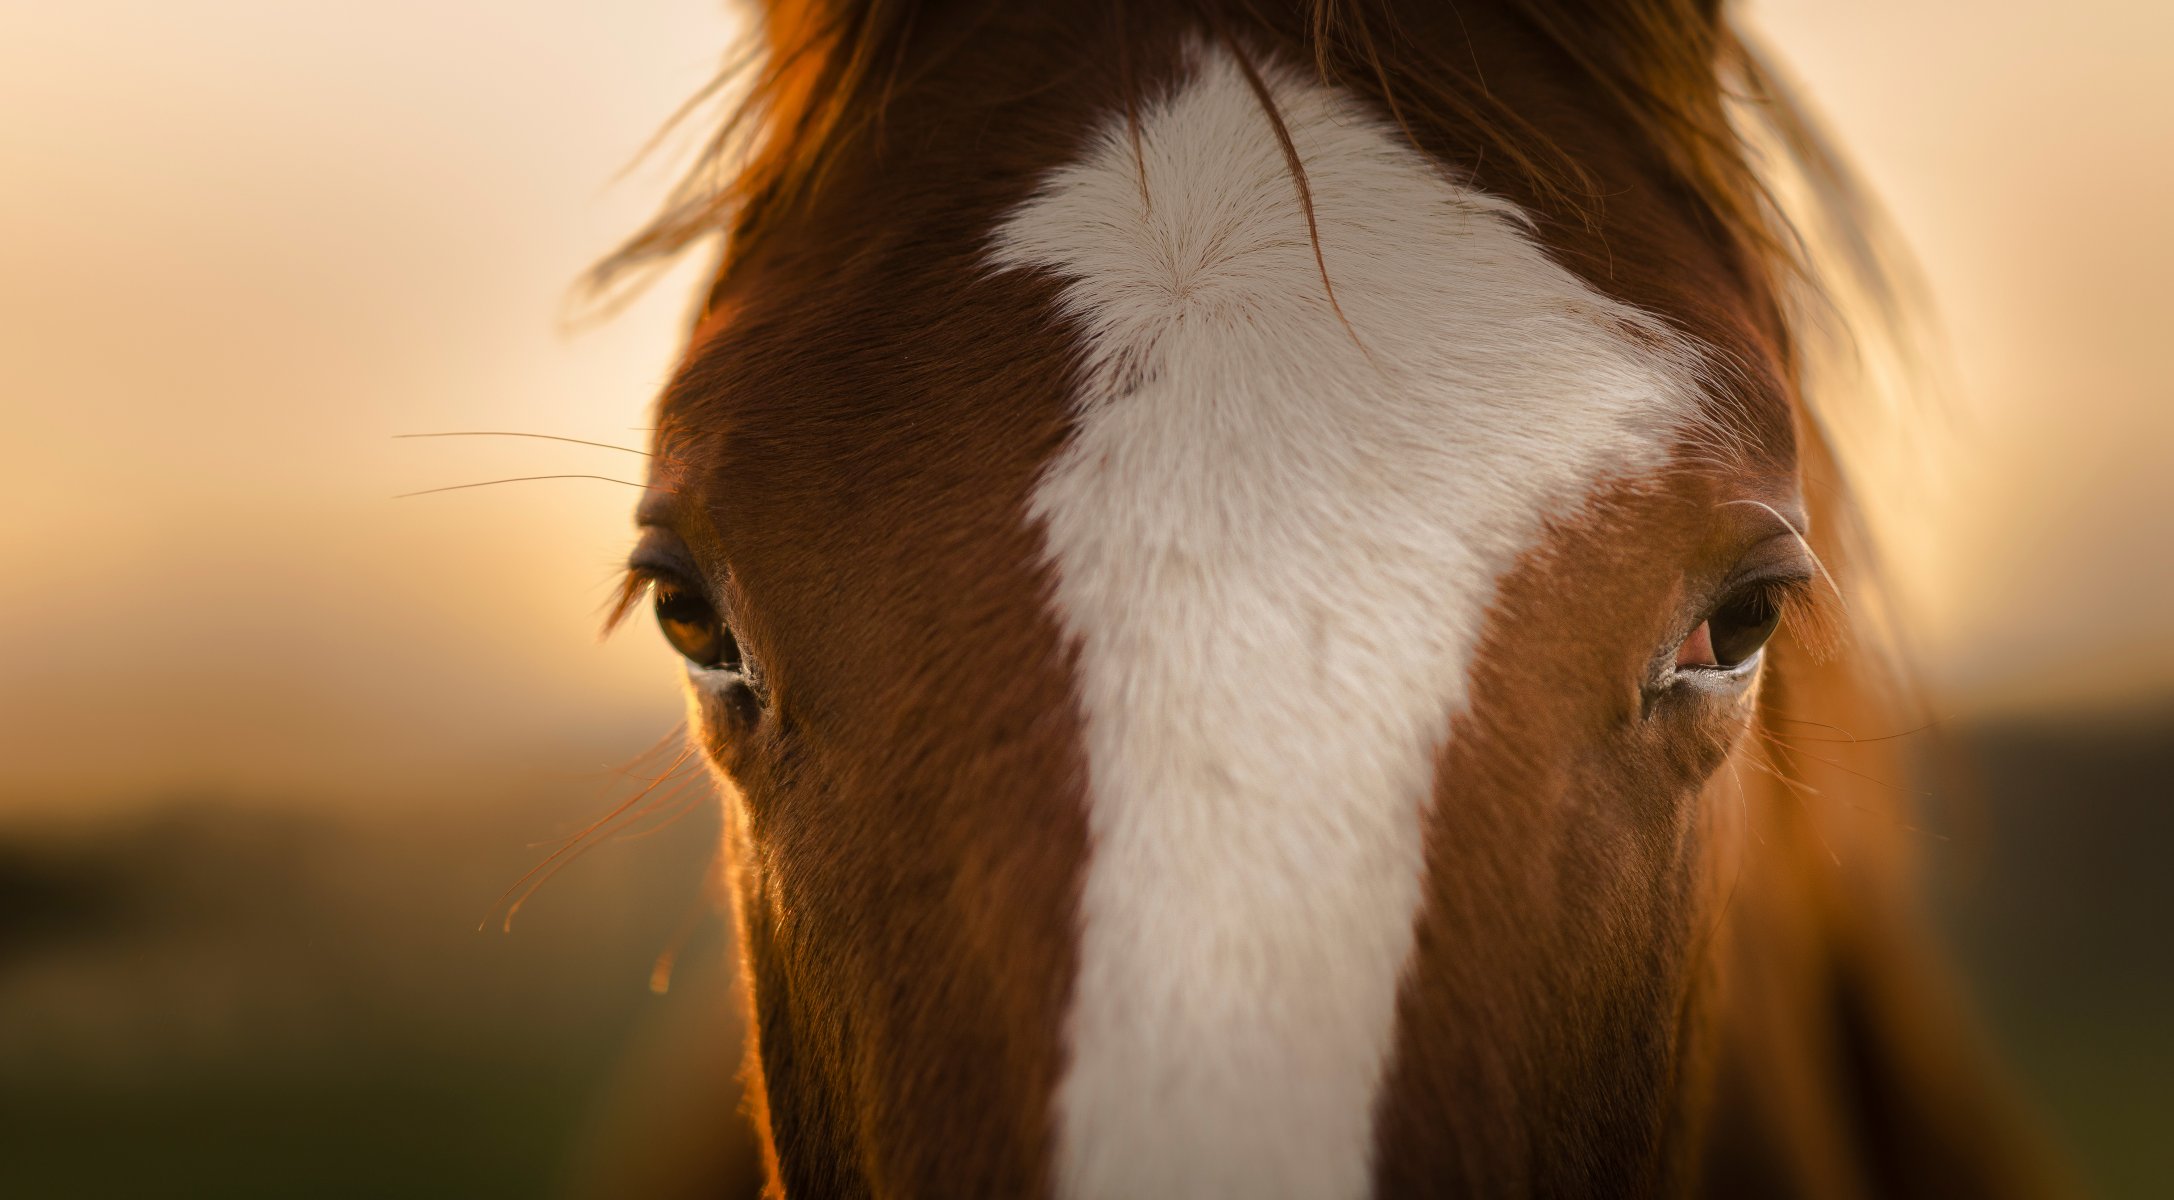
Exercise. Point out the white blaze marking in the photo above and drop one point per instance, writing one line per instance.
(1276, 556)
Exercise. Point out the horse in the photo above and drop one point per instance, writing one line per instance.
(1277, 613)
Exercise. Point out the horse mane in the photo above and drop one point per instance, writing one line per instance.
(820, 71)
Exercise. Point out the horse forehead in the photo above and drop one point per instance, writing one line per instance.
(1275, 532)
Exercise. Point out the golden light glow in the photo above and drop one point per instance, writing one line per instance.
(243, 244)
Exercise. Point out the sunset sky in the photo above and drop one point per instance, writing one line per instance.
(243, 243)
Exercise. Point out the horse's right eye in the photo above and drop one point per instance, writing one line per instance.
(694, 629)
(1736, 630)
(1741, 626)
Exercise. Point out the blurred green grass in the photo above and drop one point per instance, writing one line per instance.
(2058, 904)
(217, 999)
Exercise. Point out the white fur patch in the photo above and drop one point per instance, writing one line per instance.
(1276, 551)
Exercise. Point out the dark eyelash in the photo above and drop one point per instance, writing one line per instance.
(634, 584)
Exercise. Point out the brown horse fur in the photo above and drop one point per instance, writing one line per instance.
(1712, 982)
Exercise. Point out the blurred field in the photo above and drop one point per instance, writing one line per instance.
(216, 998)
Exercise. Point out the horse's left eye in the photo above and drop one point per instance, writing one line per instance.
(693, 628)
(1733, 633)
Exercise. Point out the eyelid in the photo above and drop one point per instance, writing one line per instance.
(1779, 561)
(1786, 584)
(1781, 554)
(661, 557)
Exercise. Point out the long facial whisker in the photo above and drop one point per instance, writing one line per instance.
(572, 848)
(1851, 739)
(459, 487)
(542, 437)
(1790, 744)
(631, 770)
(678, 777)
(688, 803)
(593, 837)
(1778, 743)
(675, 735)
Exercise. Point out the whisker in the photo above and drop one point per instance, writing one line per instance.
(1897, 788)
(513, 909)
(1798, 786)
(687, 807)
(1883, 814)
(459, 487)
(624, 770)
(629, 826)
(1790, 744)
(627, 769)
(1801, 789)
(544, 437)
(572, 848)
(1851, 739)
(679, 773)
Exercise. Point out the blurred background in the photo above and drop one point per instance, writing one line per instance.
(273, 744)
